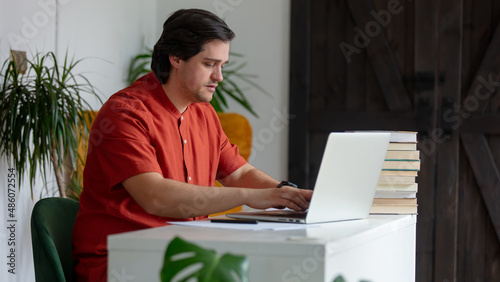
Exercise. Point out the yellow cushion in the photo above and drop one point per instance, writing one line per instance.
(239, 132)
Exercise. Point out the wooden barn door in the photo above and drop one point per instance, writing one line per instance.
(478, 126)
(429, 66)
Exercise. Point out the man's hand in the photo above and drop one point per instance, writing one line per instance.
(284, 197)
(266, 197)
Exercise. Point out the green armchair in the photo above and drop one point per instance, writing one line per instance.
(52, 222)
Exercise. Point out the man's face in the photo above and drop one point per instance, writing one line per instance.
(200, 74)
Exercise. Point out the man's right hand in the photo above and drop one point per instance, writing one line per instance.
(284, 197)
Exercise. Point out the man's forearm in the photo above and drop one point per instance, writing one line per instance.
(166, 197)
(170, 198)
(249, 177)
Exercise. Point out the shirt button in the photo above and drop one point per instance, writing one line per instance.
(185, 141)
(189, 178)
(182, 117)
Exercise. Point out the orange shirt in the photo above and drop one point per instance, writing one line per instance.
(139, 130)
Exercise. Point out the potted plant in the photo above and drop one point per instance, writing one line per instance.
(42, 116)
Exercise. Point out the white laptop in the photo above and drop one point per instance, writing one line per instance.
(346, 181)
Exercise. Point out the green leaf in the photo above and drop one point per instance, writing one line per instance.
(185, 261)
(231, 268)
(215, 103)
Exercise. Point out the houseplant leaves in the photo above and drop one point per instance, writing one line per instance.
(41, 115)
(185, 261)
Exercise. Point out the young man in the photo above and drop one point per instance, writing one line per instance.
(157, 147)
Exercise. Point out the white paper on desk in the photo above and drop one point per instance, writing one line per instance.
(242, 226)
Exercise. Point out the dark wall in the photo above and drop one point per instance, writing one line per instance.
(427, 66)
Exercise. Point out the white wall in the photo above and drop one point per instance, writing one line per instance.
(108, 34)
(26, 26)
(262, 34)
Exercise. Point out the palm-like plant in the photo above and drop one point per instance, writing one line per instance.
(230, 87)
(42, 117)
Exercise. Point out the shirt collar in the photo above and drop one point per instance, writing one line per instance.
(158, 92)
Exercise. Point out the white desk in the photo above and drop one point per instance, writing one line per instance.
(379, 248)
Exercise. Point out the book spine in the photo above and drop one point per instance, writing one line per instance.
(401, 165)
(413, 187)
(394, 209)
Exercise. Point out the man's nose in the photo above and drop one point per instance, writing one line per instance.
(217, 74)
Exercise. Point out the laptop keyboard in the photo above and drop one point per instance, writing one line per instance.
(299, 215)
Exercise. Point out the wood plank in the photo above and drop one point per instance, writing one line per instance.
(492, 257)
(382, 60)
(468, 57)
(426, 213)
(445, 267)
(491, 269)
(486, 172)
(299, 91)
(408, 54)
(425, 60)
(400, 37)
(356, 69)
(487, 78)
(495, 101)
(336, 65)
(492, 272)
(341, 121)
(317, 148)
(482, 30)
(486, 123)
(480, 244)
(375, 101)
(449, 63)
(472, 228)
(320, 94)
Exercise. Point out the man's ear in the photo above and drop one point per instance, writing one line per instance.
(174, 61)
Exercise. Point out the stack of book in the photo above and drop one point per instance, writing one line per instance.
(397, 188)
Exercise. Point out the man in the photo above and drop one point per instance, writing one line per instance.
(157, 147)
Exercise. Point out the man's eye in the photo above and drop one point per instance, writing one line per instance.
(209, 64)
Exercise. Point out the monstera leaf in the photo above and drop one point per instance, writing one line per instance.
(185, 261)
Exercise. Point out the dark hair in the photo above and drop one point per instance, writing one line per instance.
(184, 34)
